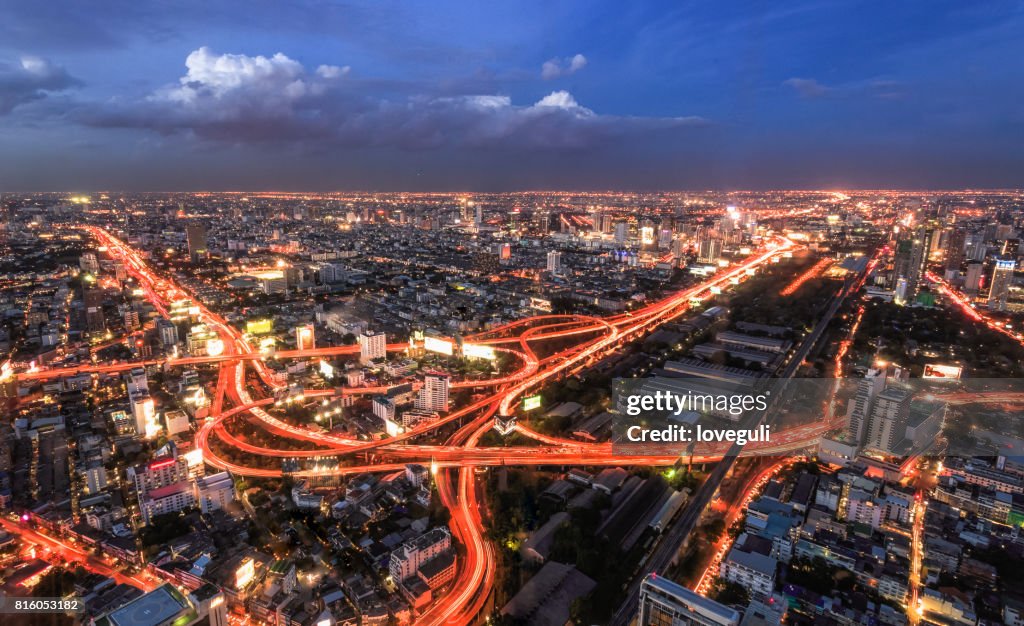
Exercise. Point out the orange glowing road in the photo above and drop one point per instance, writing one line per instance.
(799, 281)
(63, 552)
(475, 573)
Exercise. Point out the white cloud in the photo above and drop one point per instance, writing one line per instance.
(238, 98)
(562, 100)
(278, 80)
(332, 71)
(556, 68)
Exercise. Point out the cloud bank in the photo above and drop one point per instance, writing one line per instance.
(239, 98)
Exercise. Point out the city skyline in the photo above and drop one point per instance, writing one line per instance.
(582, 96)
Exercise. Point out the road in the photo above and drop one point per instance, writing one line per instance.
(671, 541)
(600, 337)
(63, 553)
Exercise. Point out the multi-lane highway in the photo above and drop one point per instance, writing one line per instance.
(595, 338)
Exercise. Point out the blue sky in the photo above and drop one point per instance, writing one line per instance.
(525, 95)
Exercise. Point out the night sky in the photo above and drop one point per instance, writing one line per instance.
(493, 96)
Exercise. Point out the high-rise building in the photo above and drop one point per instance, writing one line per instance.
(859, 409)
(911, 260)
(665, 603)
(372, 346)
(162, 485)
(1002, 276)
(555, 262)
(888, 423)
(167, 331)
(621, 232)
(972, 277)
(955, 246)
(433, 395)
(709, 249)
(196, 235)
(94, 318)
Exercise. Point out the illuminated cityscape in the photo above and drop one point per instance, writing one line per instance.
(470, 397)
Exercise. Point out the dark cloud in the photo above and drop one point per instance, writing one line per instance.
(30, 79)
(238, 98)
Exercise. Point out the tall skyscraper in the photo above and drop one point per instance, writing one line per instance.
(955, 246)
(196, 235)
(94, 319)
(859, 410)
(888, 424)
(1002, 275)
(911, 261)
(665, 603)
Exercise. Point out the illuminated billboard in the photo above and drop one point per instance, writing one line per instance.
(245, 573)
(259, 327)
(434, 344)
(477, 351)
(531, 402)
(647, 235)
(326, 369)
(942, 372)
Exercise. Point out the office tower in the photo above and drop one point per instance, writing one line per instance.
(1002, 276)
(976, 248)
(888, 423)
(621, 232)
(305, 339)
(433, 395)
(972, 277)
(859, 409)
(94, 320)
(478, 216)
(911, 260)
(955, 245)
(665, 603)
(372, 346)
(555, 262)
(167, 332)
(196, 235)
(709, 249)
(1011, 247)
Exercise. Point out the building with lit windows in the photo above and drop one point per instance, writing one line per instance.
(372, 346)
(665, 603)
(433, 395)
